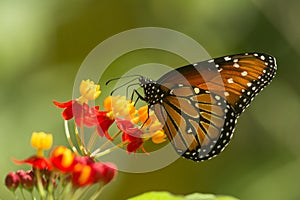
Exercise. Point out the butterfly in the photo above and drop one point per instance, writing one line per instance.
(199, 104)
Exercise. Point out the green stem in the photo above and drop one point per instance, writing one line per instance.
(66, 191)
(105, 144)
(79, 141)
(40, 185)
(82, 139)
(92, 140)
(107, 151)
(67, 132)
(16, 196)
(82, 192)
(50, 195)
(73, 191)
(98, 192)
(22, 193)
(62, 186)
(32, 195)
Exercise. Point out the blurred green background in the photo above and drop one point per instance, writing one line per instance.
(43, 43)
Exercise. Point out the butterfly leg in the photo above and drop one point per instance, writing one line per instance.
(139, 96)
(143, 99)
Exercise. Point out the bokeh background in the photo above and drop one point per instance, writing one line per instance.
(43, 43)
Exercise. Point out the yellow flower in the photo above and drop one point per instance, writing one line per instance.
(159, 137)
(89, 91)
(41, 141)
(118, 106)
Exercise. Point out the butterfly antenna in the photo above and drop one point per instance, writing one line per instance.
(114, 79)
(121, 86)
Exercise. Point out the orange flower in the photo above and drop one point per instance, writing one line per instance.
(62, 159)
(82, 175)
(87, 172)
(159, 137)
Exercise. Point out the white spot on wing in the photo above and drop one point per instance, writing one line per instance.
(236, 65)
(230, 80)
(244, 73)
(227, 58)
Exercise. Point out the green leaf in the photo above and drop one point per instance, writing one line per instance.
(157, 196)
(168, 196)
(199, 196)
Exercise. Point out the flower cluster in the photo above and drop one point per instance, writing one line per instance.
(61, 168)
(64, 170)
(135, 125)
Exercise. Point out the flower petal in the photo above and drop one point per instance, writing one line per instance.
(36, 162)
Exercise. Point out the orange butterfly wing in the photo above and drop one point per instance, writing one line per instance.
(201, 102)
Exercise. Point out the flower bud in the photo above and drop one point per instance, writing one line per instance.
(12, 181)
(27, 179)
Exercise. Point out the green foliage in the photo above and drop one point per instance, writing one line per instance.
(168, 196)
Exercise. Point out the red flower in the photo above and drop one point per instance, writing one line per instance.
(36, 162)
(87, 116)
(68, 112)
(134, 144)
(85, 160)
(83, 114)
(104, 122)
(103, 172)
(131, 134)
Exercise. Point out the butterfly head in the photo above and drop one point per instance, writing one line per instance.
(152, 90)
(145, 81)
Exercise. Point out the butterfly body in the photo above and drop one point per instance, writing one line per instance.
(199, 104)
